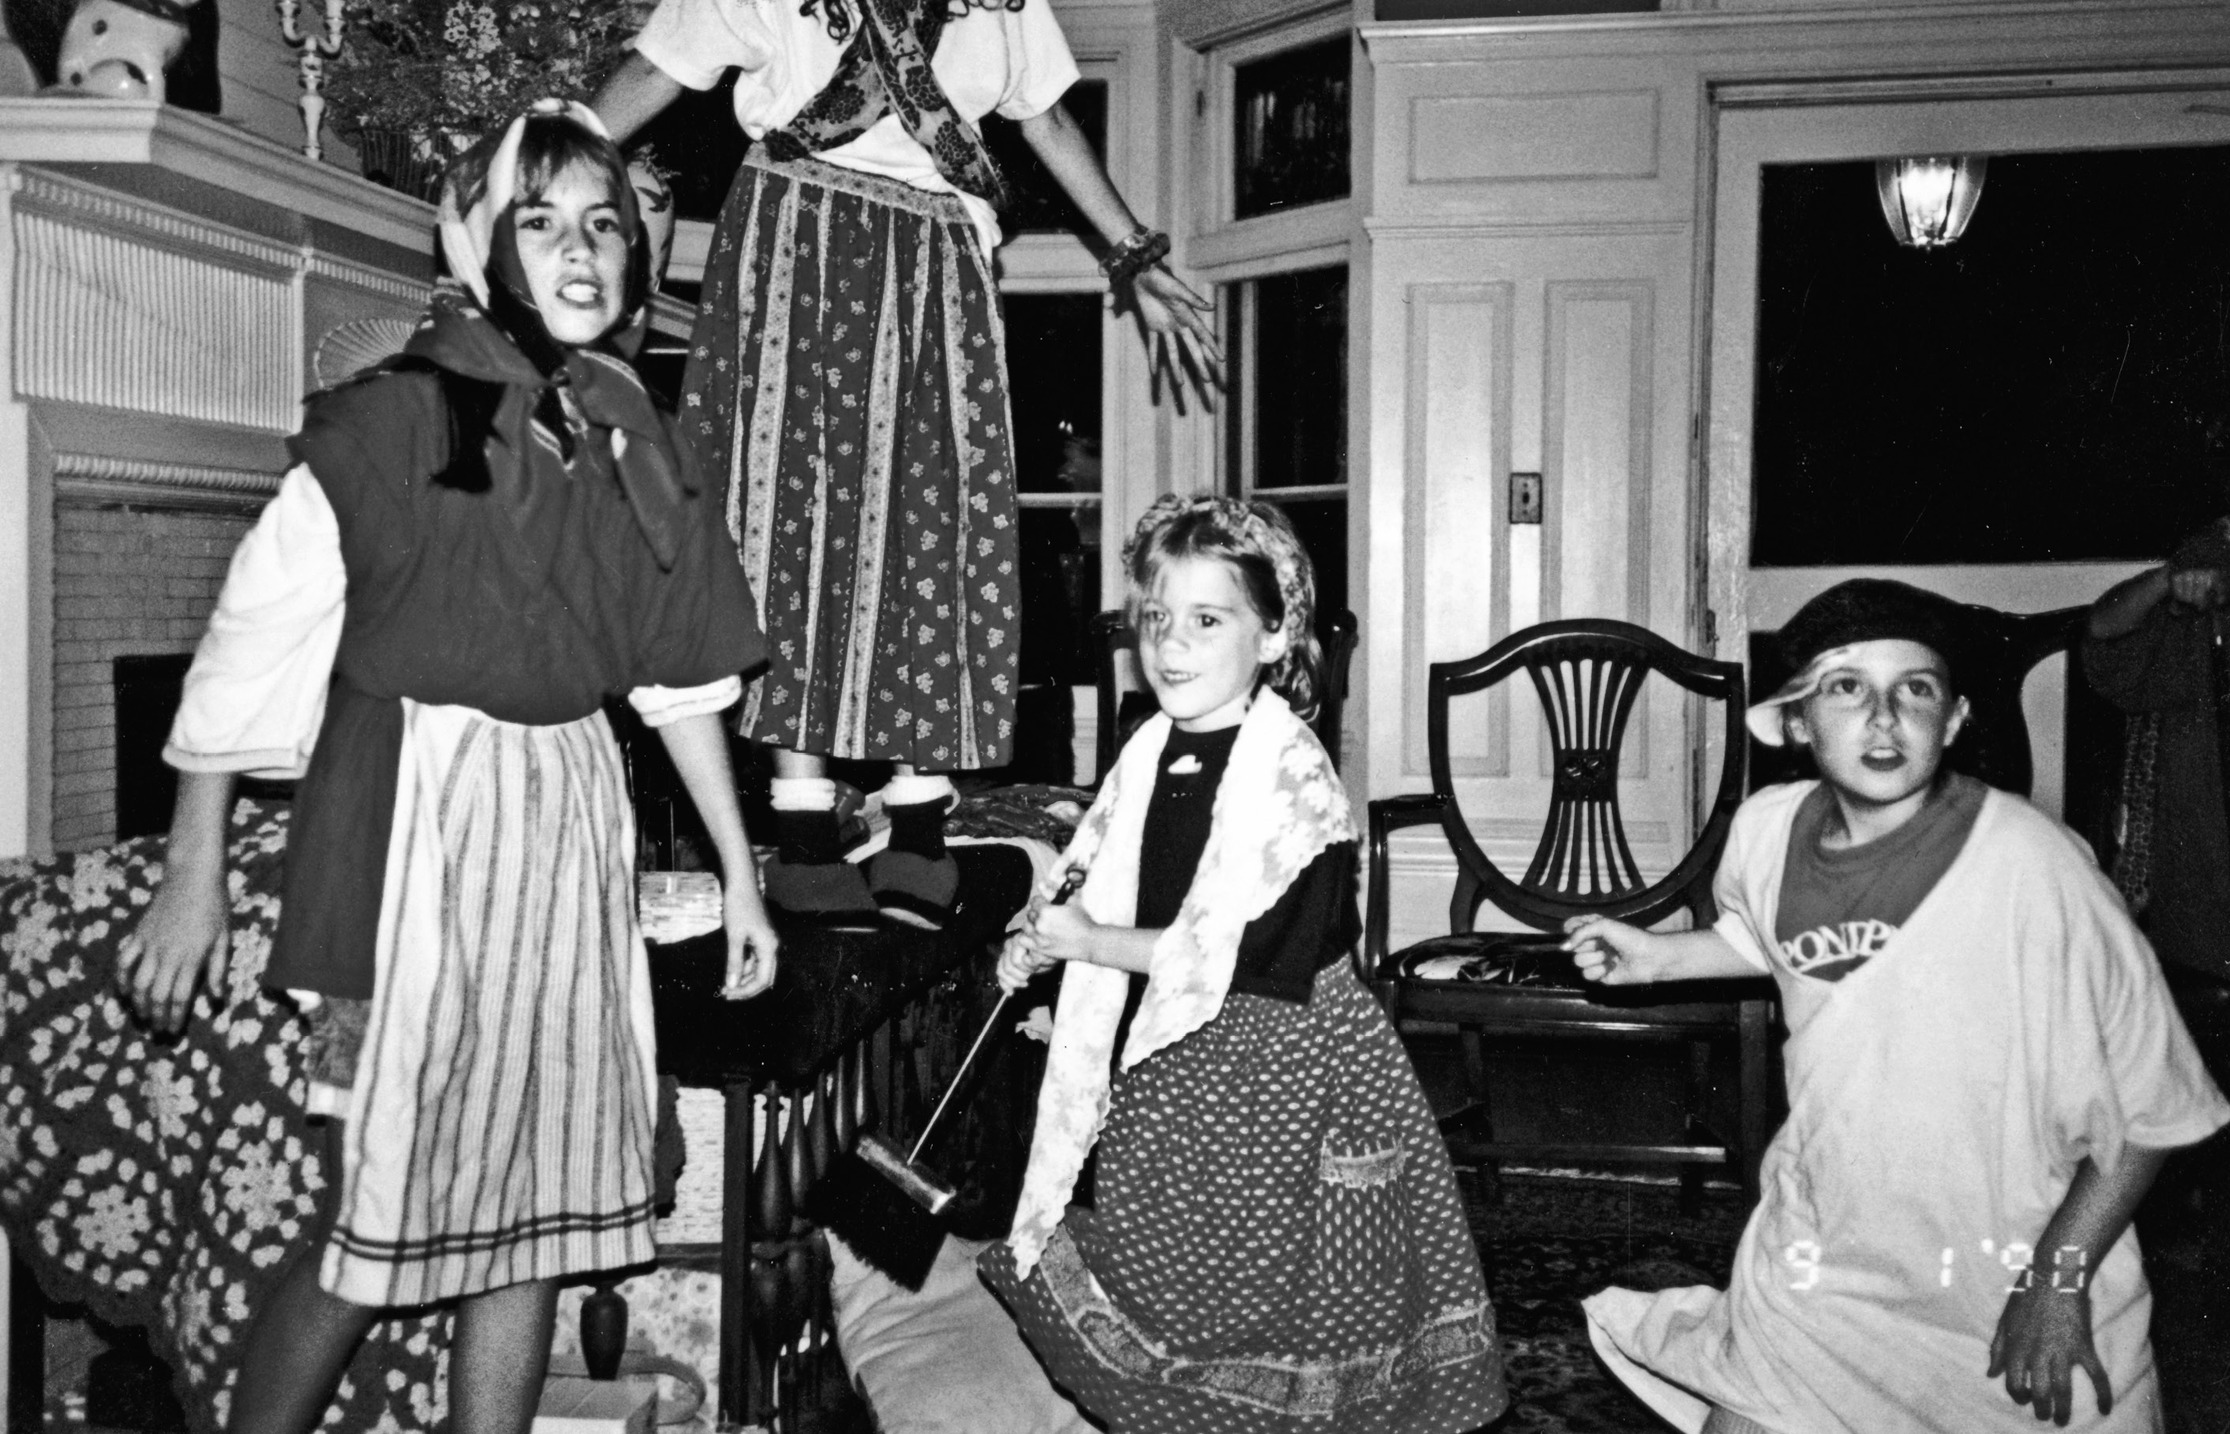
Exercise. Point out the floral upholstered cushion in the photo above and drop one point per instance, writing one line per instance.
(167, 1183)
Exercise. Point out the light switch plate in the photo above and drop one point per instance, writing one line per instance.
(1525, 498)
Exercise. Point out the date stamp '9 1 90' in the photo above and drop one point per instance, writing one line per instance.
(2069, 1275)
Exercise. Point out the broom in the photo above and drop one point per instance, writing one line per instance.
(883, 1203)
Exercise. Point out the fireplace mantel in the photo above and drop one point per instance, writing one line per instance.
(175, 157)
(167, 282)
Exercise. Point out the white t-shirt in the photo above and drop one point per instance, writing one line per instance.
(1941, 1097)
(1013, 62)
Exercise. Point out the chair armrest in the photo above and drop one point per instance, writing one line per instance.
(1390, 814)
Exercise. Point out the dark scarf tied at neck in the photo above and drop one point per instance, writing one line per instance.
(551, 413)
(608, 429)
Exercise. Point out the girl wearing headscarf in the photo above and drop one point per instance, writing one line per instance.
(479, 543)
(847, 385)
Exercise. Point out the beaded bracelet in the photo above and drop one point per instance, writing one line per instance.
(1134, 255)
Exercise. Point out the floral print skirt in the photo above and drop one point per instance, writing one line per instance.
(1276, 1245)
(848, 379)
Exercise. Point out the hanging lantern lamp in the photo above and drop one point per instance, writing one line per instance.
(1928, 199)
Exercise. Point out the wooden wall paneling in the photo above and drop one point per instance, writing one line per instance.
(1595, 549)
(126, 306)
(1459, 391)
(1462, 141)
(1485, 138)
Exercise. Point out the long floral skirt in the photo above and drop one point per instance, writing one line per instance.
(501, 1122)
(1277, 1243)
(848, 380)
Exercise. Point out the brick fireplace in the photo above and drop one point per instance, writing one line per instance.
(132, 587)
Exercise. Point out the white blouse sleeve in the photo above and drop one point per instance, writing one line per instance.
(664, 706)
(697, 41)
(255, 695)
(1040, 67)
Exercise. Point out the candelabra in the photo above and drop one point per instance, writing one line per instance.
(316, 50)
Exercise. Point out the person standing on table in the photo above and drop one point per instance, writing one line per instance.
(480, 542)
(847, 382)
(1985, 1074)
(1276, 1244)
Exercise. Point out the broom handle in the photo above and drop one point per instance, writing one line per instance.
(957, 1076)
(1069, 885)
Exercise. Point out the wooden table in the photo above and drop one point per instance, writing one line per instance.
(835, 994)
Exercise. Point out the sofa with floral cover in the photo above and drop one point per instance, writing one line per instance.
(166, 1183)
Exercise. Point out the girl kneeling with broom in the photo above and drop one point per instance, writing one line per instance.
(1276, 1242)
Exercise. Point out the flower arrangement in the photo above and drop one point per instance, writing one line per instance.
(440, 72)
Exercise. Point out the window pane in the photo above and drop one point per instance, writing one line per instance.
(1053, 363)
(1289, 119)
(1299, 409)
(2053, 387)
(697, 140)
(1322, 524)
(1036, 203)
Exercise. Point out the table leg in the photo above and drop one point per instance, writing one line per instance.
(737, 1378)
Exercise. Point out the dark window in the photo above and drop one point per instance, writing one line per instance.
(1288, 431)
(1036, 203)
(1289, 128)
(2055, 386)
(697, 141)
(1300, 378)
(1053, 362)
(1322, 525)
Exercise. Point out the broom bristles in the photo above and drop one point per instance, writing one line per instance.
(884, 1226)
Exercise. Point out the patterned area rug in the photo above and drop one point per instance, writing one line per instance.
(1548, 1243)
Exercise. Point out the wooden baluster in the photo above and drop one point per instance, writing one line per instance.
(874, 1068)
(736, 1380)
(820, 1135)
(797, 1280)
(766, 1343)
(797, 1170)
(823, 1312)
(844, 1096)
(771, 1214)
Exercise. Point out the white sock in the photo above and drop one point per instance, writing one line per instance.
(802, 794)
(914, 790)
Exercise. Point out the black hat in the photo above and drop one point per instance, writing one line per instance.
(1860, 610)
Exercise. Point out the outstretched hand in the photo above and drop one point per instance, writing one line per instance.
(181, 941)
(1180, 340)
(1608, 951)
(2043, 1337)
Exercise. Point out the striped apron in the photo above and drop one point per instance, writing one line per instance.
(500, 1123)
